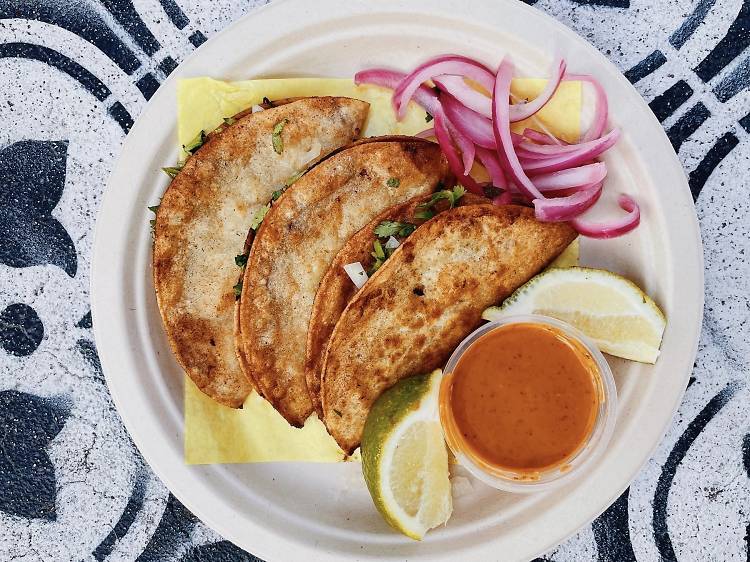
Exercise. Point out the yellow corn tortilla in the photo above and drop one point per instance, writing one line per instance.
(257, 433)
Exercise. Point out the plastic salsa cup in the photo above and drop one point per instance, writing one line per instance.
(570, 467)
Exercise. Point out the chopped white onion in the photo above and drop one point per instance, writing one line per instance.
(356, 273)
(256, 109)
(392, 243)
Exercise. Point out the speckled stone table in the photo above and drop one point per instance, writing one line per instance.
(75, 73)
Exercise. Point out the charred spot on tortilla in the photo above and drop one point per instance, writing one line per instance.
(204, 220)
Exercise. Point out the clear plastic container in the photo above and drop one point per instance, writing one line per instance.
(573, 466)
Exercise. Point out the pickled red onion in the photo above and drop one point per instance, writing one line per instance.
(504, 198)
(388, 78)
(454, 161)
(613, 228)
(446, 64)
(601, 110)
(457, 87)
(560, 179)
(568, 207)
(490, 161)
(542, 138)
(584, 154)
(469, 122)
(572, 177)
(501, 129)
(521, 111)
(467, 148)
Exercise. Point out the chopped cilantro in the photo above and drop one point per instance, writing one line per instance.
(237, 290)
(195, 144)
(424, 214)
(229, 120)
(394, 228)
(276, 194)
(378, 253)
(393, 182)
(260, 214)
(428, 117)
(425, 210)
(240, 260)
(172, 171)
(276, 140)
(154, 209)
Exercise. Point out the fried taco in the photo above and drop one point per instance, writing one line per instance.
(336, 288)
(296, 242)
(204, 217)
(429, 295)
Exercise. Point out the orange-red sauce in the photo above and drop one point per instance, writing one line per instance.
(523, 398)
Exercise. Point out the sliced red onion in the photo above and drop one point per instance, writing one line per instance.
(599, 122)
(426, 134)
(501, 129)
(446, 64)
(467, 148)
(454, 161)
(521, 111)
(569, 207)
(387, 78)
(457, 88)
(469, 122)
(572, 177)
(490, 161)
(542, 138)
(505, 198)
(614, 228)
(523, 153)
(574, 158)
(552, 150)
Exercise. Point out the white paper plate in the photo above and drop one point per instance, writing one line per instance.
(288, 510)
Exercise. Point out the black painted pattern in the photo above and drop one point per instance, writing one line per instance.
(21, 330)
(646, 66)
(612, 534)
(673, 97)
(687, 124)
(680, 449)
(27, 477)
(32, 178)
(720, 149)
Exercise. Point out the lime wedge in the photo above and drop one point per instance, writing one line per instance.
(404, 457)
(611, 310)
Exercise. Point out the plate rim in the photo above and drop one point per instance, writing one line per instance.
(262, 548)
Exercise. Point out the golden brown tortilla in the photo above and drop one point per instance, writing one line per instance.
(336, 288)
(204, 218)
(296, 242)
(427, 297)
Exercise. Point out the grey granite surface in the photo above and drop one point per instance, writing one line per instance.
(74, 74)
